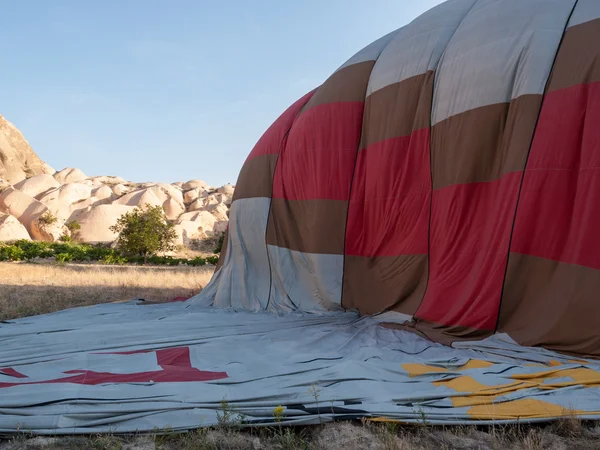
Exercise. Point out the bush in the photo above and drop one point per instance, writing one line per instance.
(33, 249)
(73, 226)
(145, 232)
(113, 258)
(63, 257)
(198, 261)
(65, 238)
(47, 218)
(135, 259)
(219, 246)
(65, 252)
(11, 253)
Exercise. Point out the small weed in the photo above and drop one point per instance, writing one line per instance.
(533, 440)
(315, 392)
(228, 419)
(289, 439)
(422, 416)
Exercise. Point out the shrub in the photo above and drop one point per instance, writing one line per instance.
(63, 257)
(113, 258)
(33, 249)
(197, 261)
(98, 252)
(135, 259)
(11, 253)
(65, 252)
(47, 218)
(73, 226)
(145, 232)
(219, 246)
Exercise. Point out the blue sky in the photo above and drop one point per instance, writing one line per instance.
(170, 90)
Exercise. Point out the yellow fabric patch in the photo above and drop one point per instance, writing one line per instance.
(581, 376)
(480, 397)
(523, 409)
(478, 393)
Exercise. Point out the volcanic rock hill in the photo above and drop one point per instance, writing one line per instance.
(36, 202)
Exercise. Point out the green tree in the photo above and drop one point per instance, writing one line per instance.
(145, 232)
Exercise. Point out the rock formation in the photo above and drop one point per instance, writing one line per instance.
(11, 229)
(17, 159)
(39, 203)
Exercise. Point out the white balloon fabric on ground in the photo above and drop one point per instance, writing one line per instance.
(128, 367)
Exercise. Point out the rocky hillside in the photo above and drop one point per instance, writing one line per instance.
(17, 160)
(39, 203)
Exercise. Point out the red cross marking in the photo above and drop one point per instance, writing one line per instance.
(175, 364)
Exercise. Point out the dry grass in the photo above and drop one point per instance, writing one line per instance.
(30, 289)
(336, 436)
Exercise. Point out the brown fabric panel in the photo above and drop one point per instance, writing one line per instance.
(578, 60)
(398, 109)
(346, 85)
(551, 304)
(440, 333)
(311, 226)
(485, 143)
(376, 284)
(256, 177)
(223, 250)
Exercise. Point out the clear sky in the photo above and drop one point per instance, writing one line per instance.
(171, 90)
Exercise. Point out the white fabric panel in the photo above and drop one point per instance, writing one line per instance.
(371, 52)
(417, 47)
(359, 367)
(501, 50)
(585, 11)
(305, 281)
(244, 278)
(97, 362)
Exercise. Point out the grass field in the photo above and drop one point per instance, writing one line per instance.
(29, 289)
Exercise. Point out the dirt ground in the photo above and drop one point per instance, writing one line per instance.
(29, 289)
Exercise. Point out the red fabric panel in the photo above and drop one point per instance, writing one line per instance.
(179, 357)
(389, 205)
(12, 373)
(559, 213)
(175, 363)
(270, 141)
(470, 232)
(318, 159)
